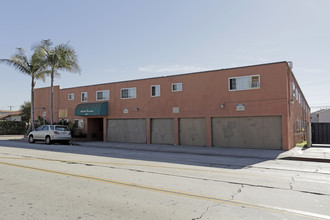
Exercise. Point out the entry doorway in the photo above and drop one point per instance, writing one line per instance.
(95, 129)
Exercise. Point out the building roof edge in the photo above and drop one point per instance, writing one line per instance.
(167, 76)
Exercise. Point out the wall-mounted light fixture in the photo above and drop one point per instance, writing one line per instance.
(292, 101)
(137, 109)
(222, 105)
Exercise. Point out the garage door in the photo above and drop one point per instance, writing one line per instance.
(162, 131)
(192, 131)
(127, 130)
(247, 132)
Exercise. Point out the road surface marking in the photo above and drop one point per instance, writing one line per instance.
(184, 194)
(165, 167)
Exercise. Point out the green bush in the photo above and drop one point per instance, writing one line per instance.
(12, 127)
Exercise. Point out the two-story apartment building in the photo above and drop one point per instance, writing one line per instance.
(260, 106)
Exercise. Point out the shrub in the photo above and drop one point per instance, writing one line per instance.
(12, 127)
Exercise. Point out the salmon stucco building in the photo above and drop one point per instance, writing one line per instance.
(259, 106)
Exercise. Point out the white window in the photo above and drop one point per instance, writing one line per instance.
(293, 89)
(176, 87)
(297, 94)
(155, 91)
(71, 96)
(79, 123)
(244, 83)
(84, 97)
(102, 95)
(128, 93)
(297, 125)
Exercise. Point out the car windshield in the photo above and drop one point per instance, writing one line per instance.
(61, 128)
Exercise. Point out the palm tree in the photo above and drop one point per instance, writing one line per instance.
(33, 67)
(61, 57)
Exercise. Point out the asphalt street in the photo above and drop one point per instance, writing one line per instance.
(39, 181)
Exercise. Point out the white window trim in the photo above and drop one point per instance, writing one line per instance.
(293, 89)
(82, 123)
(69, 96)
(252, 88)
(128, 97)
(176, 90)
(102, 92)
(155, 90)
(86, 96)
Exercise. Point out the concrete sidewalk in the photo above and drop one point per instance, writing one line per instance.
(211, 151)
(11, 137)
(317, 153)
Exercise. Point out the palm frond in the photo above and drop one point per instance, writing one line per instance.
(42, 75)
(18, 64)
(32, 67)
(67, 58)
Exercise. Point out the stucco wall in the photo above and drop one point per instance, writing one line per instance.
(314, 117)
(13, 118)
(324, 116)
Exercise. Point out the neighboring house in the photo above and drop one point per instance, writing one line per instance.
(4, 112)
(10, 115)
(321, 116)
(259, 106)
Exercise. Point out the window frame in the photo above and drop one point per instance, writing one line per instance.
(86, 96)
(293, 89)
(71, 95)
(155, 86)
(179, 83)
(107, 98)
(78, 123)
(128, 95)
(244, 89)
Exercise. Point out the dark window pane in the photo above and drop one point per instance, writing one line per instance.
(232, 83)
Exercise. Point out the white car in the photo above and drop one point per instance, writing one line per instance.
(50, 133)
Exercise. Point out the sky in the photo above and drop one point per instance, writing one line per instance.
(135, 39)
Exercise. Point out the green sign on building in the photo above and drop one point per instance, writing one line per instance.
(92, 109)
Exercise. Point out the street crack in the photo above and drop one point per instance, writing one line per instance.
(290, 184)
(293, 181)
(238, 192)
(207, 209)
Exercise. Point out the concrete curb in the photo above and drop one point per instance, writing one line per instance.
(229, 152)
(313, 154)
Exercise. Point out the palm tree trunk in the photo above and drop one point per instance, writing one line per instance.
(32, 103)
(51, 96)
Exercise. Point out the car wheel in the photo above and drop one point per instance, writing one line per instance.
(48, 140)
(31, 139)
